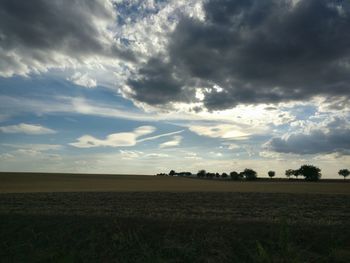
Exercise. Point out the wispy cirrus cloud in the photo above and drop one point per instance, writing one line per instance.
(25, 151)
(32, 129)
(252, 118)
(176, 140)
(224, 131)
(36, 147)
(121, 139)
(129, 155)
(160, 136)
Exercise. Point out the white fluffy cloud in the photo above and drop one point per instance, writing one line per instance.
(146, 24)
(32, 129)
(83, 80)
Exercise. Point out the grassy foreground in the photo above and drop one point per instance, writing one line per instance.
(309, 222)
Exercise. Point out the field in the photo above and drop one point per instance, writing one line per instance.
(106, 218)
(36, 182)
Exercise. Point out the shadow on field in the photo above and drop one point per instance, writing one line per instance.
(105, 239)
(174, 227)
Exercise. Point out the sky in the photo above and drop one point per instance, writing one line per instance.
(146, 86)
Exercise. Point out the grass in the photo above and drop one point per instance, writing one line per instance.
(171, 220)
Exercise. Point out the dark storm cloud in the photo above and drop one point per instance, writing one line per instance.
(259, 51)
(159, 82)
(333, 138)
(31, 32)
(313, 143)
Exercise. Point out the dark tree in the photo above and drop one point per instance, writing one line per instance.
(224, 175)
(201, 173)
(235, 176)
(217, 175)
(241, 175)
(172, 173)
(271, 174)
(249, 174)
(310, 172)
(289, 173)
(211, 175)
(184, 174)
(344, 172)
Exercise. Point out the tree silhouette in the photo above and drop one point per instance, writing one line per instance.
(172, 173)
(201, 173)
(344, 172)
(271, 174)
(289, 173)
(224, 175)
(249, 174)
(184, 174)
(296, 173)
(211, 175)
(310, 172)
(235, 176)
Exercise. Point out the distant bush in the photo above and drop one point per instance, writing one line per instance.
(172, 173)
(224, 175)
(344, 172)
(162, 174)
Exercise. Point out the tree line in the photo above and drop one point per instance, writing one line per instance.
(309, 172)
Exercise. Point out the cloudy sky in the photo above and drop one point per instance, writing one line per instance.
(145, 86)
